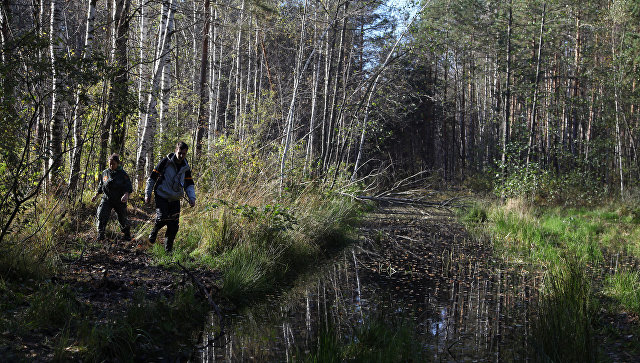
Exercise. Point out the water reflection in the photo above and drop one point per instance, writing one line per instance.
(464, 306)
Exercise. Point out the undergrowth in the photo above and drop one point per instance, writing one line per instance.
(378, 339)
(574, 248)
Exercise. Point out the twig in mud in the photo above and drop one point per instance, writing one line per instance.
(407, 238)
(449, 203)
(206, 293)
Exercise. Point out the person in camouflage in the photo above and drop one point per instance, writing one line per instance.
(115, 187)
(169, 181)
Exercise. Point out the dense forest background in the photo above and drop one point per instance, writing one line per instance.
(522, 93)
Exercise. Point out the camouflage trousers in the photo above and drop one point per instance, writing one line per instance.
(104, 212)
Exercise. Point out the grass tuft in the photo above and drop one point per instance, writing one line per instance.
(563, 331)
(624, 287)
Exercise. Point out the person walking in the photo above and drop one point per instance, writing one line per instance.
(115, 187)
(170, 179)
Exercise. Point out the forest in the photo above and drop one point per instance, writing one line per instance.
(305, 121)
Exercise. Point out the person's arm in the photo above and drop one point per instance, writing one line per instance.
(153, 178)
(189, 187)
(128, 187)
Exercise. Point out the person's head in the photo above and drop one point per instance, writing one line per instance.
(114, 161)
(181, 150)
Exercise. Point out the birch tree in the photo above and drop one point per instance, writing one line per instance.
(145, 154)
(58, 101)
(80, 103)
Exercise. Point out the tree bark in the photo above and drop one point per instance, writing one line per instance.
(534, 107)
(507, 96)
(80, 104)
(58, 102)
(119, 92)
(145, 152)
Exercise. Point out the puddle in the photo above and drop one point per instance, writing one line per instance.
(420, 268)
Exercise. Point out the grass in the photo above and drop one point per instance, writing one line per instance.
(624, 288)
(564, 328)
(257, 244)
(379, 339)
(574, 246)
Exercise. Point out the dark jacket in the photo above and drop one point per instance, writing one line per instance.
(114, 183)
(173, 180)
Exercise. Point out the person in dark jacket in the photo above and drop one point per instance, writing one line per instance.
(115, 187)
(170, 179)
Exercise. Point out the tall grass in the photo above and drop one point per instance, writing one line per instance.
(624, 288)
(378, 339)
(563, 330)
(574, 247)
(258, 235)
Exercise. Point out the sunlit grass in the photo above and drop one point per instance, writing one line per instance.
(573, 246)
(624, 287)
(256, 245)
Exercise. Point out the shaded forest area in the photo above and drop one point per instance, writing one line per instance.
(290, 106)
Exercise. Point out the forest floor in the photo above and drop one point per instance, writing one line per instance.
(103, 278)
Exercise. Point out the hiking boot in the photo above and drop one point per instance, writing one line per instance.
(153, 236)
(168, 244)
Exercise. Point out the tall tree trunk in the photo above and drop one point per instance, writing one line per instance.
(314, 94)
(119, 92)
(334, 92)
(80, 105)
(237, 82)
(534, 107)
(204, 92)
(616, 81)
(145, 152)
(297, 75)
(58, 100)
(507, 97)
(211, 124)
(576, 86)
(141, 68)
(4, 30)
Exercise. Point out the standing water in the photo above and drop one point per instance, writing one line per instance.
(412, 265)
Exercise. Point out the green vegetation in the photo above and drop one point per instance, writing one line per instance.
(563, 330)
(624, 288)
(377, 340)
(575, 248)
(258, 236)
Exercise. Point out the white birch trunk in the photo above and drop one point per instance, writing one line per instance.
(79, 104)
(238, 83)
(141, 70)
(314, 95)
(291, 112)
(58, 104)
(145, 150)
(211, 124)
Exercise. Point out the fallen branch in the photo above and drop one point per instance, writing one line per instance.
(449, 203)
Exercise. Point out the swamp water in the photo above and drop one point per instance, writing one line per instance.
(415, 266)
